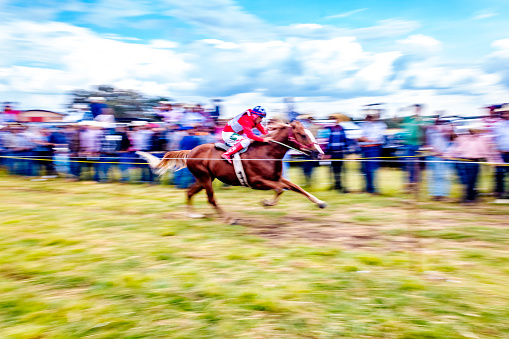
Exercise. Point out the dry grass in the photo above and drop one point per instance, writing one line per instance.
(122, 261)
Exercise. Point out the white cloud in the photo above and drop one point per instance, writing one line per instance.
(221, 44)
(502, 46)
(497, 61)
(384, 29)
(485, 14)
(346, 14)
(110, 13)
(159, 43)
(220, 18)
(240, 57)
(77, 58)
(419, 44)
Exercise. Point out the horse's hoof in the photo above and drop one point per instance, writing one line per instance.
(322, 204)
(266, 203)
(233, 221)
(196, 215)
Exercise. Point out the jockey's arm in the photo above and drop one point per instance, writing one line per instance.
(247, 124)
(249, 133)
(262, 129)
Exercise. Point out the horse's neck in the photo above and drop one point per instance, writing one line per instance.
(275, 150)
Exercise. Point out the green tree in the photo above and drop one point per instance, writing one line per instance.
(126, 104)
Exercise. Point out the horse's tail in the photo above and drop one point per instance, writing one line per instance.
(172, 161)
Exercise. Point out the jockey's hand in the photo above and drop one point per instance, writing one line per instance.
(267, 139)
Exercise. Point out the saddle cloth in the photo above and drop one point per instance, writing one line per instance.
(237, 163)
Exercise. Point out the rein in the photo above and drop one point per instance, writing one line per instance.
(291, 137)
(290, 147)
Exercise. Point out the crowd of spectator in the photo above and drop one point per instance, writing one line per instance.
(437, 147)
(102, 150)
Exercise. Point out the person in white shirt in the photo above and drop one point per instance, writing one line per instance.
(106, 118)
(438, 140)
(371, 141)
(501, 140)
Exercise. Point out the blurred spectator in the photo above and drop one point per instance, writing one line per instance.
(44, 153)
(183, 178)
(490, 122)
(164, 109)
(177, 113)
(97, 104)
(72, 135)
(501, 138)
(158, 139)
(414, 138)
(4, 135)
(216, 111)
(9, 114)
(470, 149)
(110, 141)
(192, 117)
(60, 151)
(492, 119)
(106, 118)
(173, 137)
(438, 140)
(371, 141)
(90, 149)
(19, 146)
(290, 109)
(140, 140)
(29, 165)
(208, 121)
(335, 150)
(126, 157)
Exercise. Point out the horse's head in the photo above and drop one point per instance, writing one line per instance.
(303, 139)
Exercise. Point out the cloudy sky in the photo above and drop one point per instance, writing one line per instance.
(331, 56)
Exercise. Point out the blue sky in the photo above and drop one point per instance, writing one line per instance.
(330, 55)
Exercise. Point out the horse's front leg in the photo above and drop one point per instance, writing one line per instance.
(277, 186)
(273, 202)
(296, 188)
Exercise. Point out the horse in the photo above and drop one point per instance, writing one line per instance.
(262, 165)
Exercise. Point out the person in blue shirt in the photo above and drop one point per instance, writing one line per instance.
(97, 104)
(183, 178)
(335, 150)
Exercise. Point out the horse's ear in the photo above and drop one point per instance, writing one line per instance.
(296, 124)
(275, 124)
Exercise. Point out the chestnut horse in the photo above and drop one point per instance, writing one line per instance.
(206, 164)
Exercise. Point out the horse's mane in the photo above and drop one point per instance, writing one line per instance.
(275, 126)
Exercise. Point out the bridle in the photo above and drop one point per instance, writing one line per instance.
(291, 137)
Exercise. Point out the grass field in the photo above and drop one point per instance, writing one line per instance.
(88, 260)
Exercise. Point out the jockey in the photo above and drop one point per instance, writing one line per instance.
(243, 124)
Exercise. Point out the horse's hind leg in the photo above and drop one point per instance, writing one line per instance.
(207, 185)
(195, 188)
(291, 186)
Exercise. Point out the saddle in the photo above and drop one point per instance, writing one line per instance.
(225, 147)
(237, 163)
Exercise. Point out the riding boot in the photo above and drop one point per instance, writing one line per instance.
(234, 149)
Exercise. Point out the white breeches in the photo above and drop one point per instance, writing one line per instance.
(231, 138)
